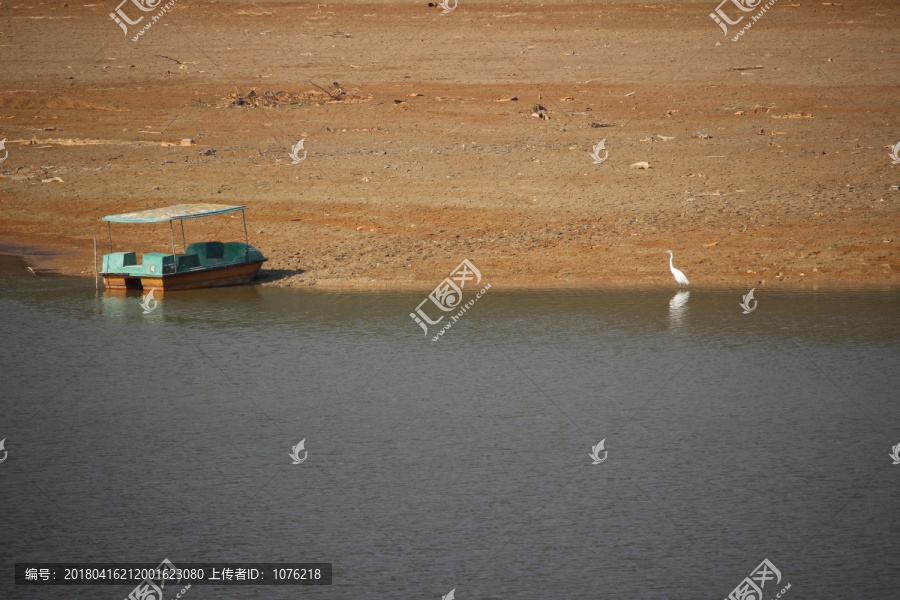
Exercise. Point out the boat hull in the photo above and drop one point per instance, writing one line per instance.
(234, 274)
(121, 282)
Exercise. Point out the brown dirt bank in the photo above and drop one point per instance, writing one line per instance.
(424, 160)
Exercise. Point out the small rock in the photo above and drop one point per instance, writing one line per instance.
(187, 142)
(703, 134)
(641, 165)
(210, 152)
(539, 111)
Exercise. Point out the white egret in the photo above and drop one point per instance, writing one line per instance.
(679, 276)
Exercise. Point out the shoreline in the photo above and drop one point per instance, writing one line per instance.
(46, 260)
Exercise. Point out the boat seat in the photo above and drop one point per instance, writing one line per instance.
(120, 262)
(156, 263)
(209, 252)
(236, 252)
(186, 262)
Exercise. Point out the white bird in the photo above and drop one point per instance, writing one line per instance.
(679, 276)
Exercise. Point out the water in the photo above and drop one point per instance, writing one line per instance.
(462, 463)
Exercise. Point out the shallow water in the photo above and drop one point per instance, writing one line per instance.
(462, 463)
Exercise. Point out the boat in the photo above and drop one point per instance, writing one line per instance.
(199, 265)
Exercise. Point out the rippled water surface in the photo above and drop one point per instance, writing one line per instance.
(462, 463)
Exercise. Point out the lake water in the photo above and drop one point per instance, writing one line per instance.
(730, 438)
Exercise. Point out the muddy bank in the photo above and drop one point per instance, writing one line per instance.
(429, 149)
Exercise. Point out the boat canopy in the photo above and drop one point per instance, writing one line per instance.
(172, 213)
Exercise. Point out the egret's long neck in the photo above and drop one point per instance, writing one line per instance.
(670, 261)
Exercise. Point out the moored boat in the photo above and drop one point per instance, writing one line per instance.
(199, 265)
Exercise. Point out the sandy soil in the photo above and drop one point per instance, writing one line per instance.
(425, 158)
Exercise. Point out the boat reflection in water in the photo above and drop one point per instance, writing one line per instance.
(154, 305)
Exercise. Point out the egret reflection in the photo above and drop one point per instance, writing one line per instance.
(678, 308)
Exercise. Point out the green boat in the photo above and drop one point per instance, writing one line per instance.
(201, 264)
